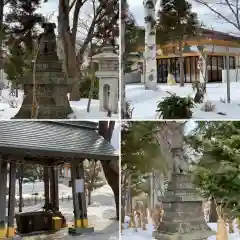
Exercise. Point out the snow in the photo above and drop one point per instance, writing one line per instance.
(144, 102)
(31, 189)
(115, 142)
(129, 234)
(100, 212)
(79, 107)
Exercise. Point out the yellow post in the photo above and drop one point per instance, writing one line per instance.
(2, 232)
(10, 232)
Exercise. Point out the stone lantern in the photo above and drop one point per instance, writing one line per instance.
(49, 85)
(108, 75)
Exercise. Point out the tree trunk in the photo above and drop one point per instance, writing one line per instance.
(111, 175)
(92, 79)
(123, 59)
(213, 216)
(123, 195)
(1, 30)
(150, 46)
(71, 67)
(181, 61)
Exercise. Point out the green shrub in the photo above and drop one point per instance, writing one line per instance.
(85, 86)
(175, 107)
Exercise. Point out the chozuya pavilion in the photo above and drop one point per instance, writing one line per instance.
(49, 144)
(217, 46)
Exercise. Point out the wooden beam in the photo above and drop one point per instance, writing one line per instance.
(76, 210)
(56, 189)
(11, 199)
(82, 197)
(46, 185)
(3, 191)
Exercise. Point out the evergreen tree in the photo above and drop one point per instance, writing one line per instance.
(217, 174)
(134, 37)
(141, 154)
(22, 20)
(177, 22)
(15, 65)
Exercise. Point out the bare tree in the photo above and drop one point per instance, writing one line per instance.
(73, 60)
(226, 10)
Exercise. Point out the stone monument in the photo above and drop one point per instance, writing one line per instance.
(184, 218)
(183, 215)
(108, 75)
(51, 84)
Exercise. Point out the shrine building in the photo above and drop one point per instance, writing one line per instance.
(217, 46)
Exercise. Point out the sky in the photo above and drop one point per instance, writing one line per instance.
(205, 16)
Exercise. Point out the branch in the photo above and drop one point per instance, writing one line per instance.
(78, 6)
(71, 6)
(204, 3)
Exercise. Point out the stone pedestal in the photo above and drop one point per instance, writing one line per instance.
(51, 84)
(183, 218)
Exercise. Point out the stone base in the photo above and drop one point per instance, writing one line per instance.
(198, 235)
(151, 86)
(80, 231)
(44, 112)
(183, 214)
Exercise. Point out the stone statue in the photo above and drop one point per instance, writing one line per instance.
(170, 138)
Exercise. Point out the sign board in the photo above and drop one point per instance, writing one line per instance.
(79, 183)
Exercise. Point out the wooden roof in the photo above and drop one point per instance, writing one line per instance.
(53, 140)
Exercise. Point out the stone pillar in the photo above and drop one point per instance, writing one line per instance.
(3, 191)
(108, 75)
(150, 44)
(11, 199)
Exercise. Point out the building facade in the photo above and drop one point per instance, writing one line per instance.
(217, 46)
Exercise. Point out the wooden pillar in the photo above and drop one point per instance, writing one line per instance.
(194, 68)
(82, 196)
(11, 199)
(3, 191)
(56, 190)
(51, 184)
(46, 185)
(76, 210)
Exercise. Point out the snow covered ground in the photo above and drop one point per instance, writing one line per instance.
(145, 102)
(129, 234)
(100, 213)
(9, 107)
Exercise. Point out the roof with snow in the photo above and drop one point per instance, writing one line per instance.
(54, 140)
